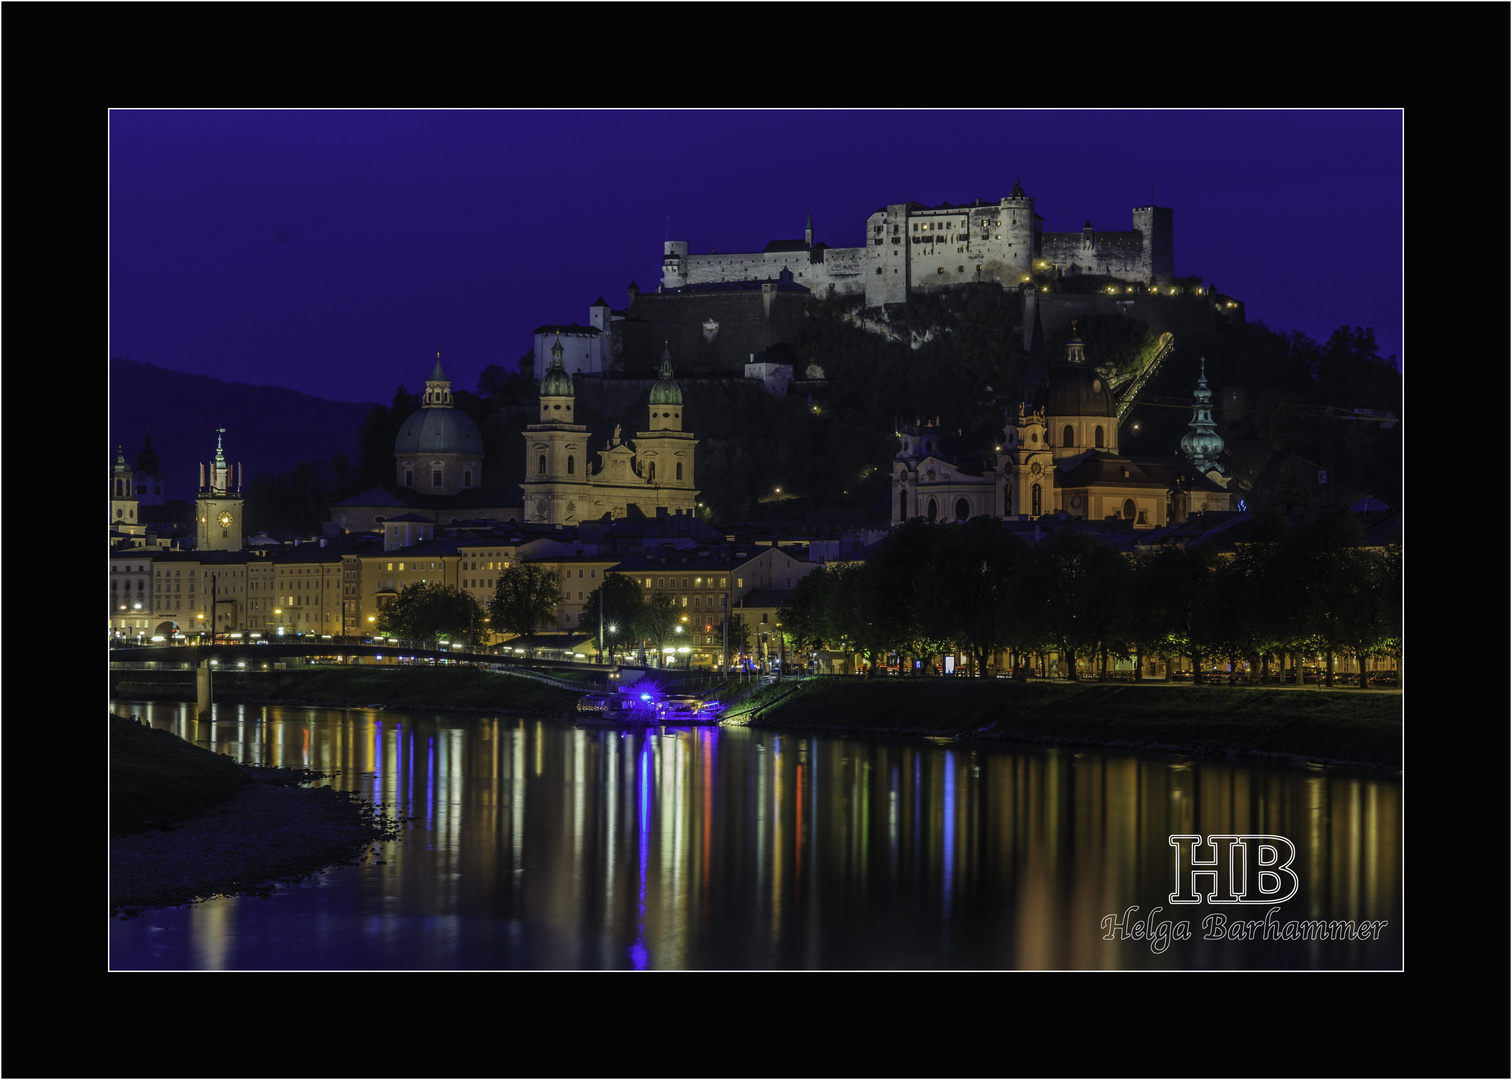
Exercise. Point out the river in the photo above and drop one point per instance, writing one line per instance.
(538, 845)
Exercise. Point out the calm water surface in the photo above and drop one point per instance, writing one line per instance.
(536, 844)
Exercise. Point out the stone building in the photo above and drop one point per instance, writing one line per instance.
(914, 248)
(438, 471)
(218, 509)
(651, 476)
(1059, 455)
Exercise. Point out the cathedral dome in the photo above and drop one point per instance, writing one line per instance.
(664, 391)
(556, 382)
(439, 431)
(1075, 391)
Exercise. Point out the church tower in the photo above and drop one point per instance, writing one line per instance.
(1080, 411)
(218, 509)
(123, 500)
(665, 450)
(1202, 444)
(556, 452)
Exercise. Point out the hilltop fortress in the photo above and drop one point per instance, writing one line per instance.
(719, 312)
(912, 248)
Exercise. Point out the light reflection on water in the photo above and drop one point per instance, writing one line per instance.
(538, 845)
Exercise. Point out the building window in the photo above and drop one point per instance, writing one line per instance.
(679, 470)
(931, 510)
(963, 509)
(1068, 437)
(467, 478)
(1034, 501)
(435, 478)
(571, 465)
(541, 465)
(651, 473)
(1099, 436)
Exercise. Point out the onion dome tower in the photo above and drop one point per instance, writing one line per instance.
(556, 452)
(1202, 444)
(665, 450)
(439, 450)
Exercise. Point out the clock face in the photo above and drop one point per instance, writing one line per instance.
(225, 519)
(1036, 468)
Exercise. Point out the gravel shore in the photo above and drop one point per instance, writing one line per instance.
(271, 831)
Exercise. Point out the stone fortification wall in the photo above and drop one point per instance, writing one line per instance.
(1195, 321)
(707, 331)
(1118, 255)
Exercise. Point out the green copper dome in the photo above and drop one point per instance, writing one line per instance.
(664, 391)
(556, 382)
(1202, 444)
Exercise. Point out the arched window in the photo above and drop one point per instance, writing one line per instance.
(903, 506)
(963, 509)
(931, 509)
(1098, 437)
(572, 466)
(1068, 438)
(1034, 499)
(1128, 510)
(541, 465)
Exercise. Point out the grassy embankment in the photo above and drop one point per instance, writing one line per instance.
(1360, 727)
(157, 779)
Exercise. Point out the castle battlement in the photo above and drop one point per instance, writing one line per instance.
(912, 248)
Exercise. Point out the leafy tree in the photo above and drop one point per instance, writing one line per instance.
(1072, 602)
(428, 610)
(739, 634)
(525, 598)
(623, 611)
(968, 585)
(493, 381)
(658, 620)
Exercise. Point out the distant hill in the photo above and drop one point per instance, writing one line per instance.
(268, 428)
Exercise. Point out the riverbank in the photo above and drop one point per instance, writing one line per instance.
(1346, 728)
(187, 824)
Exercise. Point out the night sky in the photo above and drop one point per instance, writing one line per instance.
(334, 252)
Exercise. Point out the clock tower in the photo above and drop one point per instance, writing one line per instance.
(218, 510)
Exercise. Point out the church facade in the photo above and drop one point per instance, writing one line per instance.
(1059, 455)
(651, 475)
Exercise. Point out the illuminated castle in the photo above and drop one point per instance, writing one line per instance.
(914, 248)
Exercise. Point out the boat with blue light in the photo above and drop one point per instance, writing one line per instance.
(646, 705)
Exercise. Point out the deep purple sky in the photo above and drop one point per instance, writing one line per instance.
(333, 252)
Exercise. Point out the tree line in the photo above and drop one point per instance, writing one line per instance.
(976, 589)
(525, 602)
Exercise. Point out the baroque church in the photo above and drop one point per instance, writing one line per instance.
(438, 471)
(648, 477)
(1059, 455)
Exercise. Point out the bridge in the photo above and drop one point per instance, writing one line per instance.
(195, 655)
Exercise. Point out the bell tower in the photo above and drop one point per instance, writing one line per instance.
(123, 500)
(665, 451)
(218, 510)
(556, 452)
